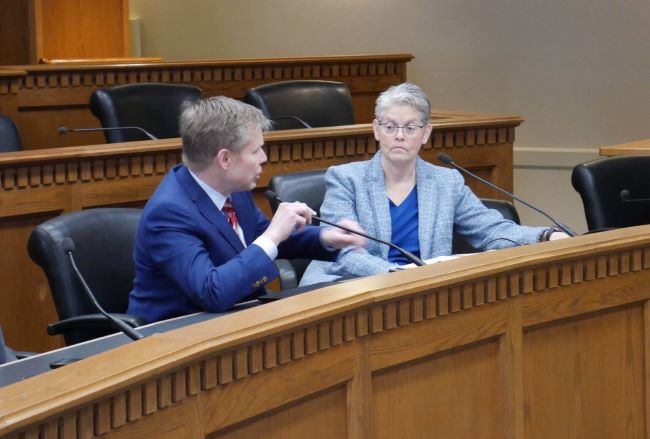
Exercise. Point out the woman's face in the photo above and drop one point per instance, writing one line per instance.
(401, 134)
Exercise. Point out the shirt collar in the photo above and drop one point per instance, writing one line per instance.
(217, 197)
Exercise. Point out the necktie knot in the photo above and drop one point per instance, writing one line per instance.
(229, 211)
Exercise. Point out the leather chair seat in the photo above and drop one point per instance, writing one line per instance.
(104, 239)
(600, 183)
(153, 107)
(292, 104)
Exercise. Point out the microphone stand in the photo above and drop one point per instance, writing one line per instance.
(407, 254)
(68, 247)
(449, 161)
(65, 130)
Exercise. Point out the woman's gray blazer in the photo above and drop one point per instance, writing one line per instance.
(357, 191)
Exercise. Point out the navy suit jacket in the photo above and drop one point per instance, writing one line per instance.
(6, 354)
(189, 259)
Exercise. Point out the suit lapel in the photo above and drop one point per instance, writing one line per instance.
(426, 212)
(379, 202)
(208, 210)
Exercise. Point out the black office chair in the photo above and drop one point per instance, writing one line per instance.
(309, 188)
(615, 191)
(104, 239)
(303, 104)
(9, 135)
(505, 208)
(152, 107)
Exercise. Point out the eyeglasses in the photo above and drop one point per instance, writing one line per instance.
(409, 130)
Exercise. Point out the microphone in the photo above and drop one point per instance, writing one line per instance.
(625, 197)
(66, 130)
(449, 161)
(295, 118)
(272, 196)
(68, 247)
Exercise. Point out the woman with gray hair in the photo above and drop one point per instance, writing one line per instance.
(398, 197)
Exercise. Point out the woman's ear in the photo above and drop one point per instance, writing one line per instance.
(375, 129)
(427, 133)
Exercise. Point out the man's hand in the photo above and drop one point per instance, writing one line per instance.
(338, 238)
(288, 218)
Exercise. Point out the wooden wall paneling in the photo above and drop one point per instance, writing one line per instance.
(583, 381)
(539, 364)
(14, 32)
(76, 29)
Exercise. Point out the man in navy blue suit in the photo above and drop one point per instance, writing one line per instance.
(202, 245)
(6, 354)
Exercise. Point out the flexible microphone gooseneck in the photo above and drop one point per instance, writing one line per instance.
(625, 197)
(272, 196)
(68, 247)
(65, 130)
(449, 161)
(296, 118)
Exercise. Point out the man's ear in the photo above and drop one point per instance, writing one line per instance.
(222, 159)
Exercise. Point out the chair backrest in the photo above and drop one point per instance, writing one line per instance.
(307, 187)
(9, 136)
(600, 183)
(318, 103)
(104, 239)
(505, 208)
(153, 107)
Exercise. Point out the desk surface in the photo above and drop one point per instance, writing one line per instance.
(549, 337)
(639, 147)
(41, 363)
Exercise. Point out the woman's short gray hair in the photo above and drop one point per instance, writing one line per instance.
(208, 125)
(406, 93)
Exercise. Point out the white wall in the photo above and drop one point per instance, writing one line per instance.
(578, 71)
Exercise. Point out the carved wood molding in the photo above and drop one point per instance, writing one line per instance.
(42, 168)
(198, 361)
(263, 70)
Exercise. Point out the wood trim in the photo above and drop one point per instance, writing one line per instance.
(233, 369)
(304, 60)
(638, 147)
(83, 61)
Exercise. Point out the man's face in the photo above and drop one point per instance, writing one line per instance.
(245, 166)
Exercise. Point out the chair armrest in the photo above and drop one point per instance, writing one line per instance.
(91, 321)
(288, 277)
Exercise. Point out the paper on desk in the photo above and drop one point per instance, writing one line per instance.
(431, 261)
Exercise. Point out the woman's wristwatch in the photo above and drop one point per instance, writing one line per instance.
(546, 234)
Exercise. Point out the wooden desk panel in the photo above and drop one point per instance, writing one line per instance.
(41, 98)
(545, 340)
(639, 147)
(41, 184)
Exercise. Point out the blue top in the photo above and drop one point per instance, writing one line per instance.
(404, 223)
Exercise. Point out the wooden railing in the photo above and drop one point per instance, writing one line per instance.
(41, 184)
(547, 340)
(41, 98)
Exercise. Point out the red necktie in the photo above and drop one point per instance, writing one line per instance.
(229, 211)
